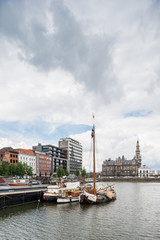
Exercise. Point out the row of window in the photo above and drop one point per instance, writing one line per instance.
(13, 155)
(13, 161)
(41, 161)
(26, 158)
(44, 166)
(44, 157)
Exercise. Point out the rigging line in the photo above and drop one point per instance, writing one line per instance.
(97, 154)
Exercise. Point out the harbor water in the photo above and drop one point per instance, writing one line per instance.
(135, 215)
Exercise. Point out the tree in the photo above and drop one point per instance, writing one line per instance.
(77, 172)
(30, 171)
(12, 169)
(4, 169)
(60, 171)
(66, 172)
(83, 172)
(1, 170)
(20, 170)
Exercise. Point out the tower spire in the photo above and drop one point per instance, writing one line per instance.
(138, 155)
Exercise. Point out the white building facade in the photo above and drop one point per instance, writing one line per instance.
(144, 171)
(28, 157)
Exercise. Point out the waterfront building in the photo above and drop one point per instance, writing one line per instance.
(144, 171)
(155, 173)
(9, 155)
(122, 166)
(74, 153)
(43, 164)
(28, 157)
(58, 155)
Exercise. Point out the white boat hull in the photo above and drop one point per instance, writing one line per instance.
(67, 200)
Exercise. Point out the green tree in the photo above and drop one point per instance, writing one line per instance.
(1, 170)
(5, 169)
(83, 172)
(20, 170)
(66, 172)
(30, 171)
(77, 172)
(60, 171)
(12, 169)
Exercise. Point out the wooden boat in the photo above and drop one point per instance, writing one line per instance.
(68, 192)
(93, 194)
(68, 195)
(18, 182)
(52, 193)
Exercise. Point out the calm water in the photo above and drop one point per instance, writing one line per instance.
(134, 215)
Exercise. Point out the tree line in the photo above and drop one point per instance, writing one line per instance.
(63, 172)
(13, 170)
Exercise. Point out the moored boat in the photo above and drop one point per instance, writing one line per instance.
(69, 194)
(18, 182)
(93, 194)
(52, 193)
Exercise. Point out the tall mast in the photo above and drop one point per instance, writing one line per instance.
(94, 167)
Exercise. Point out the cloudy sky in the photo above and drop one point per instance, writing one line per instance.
(62, 60)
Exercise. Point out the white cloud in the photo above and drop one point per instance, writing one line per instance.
(65, 59)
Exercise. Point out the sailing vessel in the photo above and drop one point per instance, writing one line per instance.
(92, 194)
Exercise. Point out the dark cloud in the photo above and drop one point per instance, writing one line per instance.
(88, 57)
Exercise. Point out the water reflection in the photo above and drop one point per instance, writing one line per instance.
(134, 215)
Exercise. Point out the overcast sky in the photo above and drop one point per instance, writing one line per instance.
(62, 60)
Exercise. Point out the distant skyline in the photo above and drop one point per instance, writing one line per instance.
(62, 60)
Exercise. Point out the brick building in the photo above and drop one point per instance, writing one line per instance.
(121, 166)
(8, 154)
(43, 164)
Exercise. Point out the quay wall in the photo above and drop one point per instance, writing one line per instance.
(119, 179)
(20, 197)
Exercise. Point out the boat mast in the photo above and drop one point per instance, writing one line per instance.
(94, 168)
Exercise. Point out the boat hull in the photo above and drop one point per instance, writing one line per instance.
(67, 200)
(50, 198)
(86, 197)
(17, 184)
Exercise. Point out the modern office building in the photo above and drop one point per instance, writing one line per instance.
(58, 155)
(74, 153)
(122, 166)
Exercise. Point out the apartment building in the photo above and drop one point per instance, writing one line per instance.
(8, 154)
(28, 157)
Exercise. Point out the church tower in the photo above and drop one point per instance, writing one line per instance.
(138, 156)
